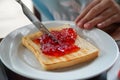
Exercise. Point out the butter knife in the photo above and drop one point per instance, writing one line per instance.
(34, 20)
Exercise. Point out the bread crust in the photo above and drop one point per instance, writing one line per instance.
(86, 53)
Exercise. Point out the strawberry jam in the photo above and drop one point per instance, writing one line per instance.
(66, 38)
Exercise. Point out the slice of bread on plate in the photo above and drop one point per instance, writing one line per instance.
(87, 51)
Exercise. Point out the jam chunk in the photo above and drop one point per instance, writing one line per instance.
(66, 38)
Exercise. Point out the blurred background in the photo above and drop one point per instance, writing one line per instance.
(11, 16)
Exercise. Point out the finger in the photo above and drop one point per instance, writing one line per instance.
(113, 19)
(95, 11)
(100, 18)
(80, 24)
(87, 9)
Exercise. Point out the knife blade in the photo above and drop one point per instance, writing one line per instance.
(35, 21)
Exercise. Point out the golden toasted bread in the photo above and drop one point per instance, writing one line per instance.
(86, 53)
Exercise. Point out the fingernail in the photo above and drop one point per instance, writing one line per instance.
(99, 25)
(80, 24)
(86, 26)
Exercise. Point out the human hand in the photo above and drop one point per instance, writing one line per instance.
(99, 13)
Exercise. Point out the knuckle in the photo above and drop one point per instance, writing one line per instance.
(90, 23)
(95, 9)
(115, 17)
(99, 19)
(84, 20)
(102, 16)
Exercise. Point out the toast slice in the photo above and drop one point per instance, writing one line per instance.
(86, 53)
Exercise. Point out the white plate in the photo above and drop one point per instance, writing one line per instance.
(20, 60)
(112, 74)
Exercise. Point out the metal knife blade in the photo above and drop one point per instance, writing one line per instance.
(34, 20)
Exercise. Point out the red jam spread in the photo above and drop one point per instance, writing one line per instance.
(66, 38)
